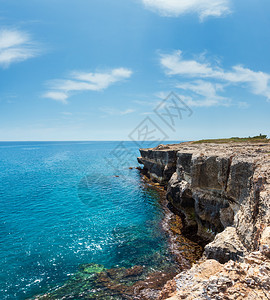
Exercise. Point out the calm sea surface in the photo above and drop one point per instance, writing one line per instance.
(62, 205)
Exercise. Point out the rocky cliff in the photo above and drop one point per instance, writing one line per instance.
(221, 191)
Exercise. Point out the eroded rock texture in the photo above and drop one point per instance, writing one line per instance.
(160, 165)
(222, 192)
(216, 186)
(209, 279)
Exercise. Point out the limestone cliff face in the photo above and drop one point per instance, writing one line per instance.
(221, 190)
(160, 165)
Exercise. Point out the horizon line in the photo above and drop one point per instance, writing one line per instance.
(16, 141)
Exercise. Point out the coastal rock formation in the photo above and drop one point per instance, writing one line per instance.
(216, 186)
(222, 193)
(160, 165)
(209, 279)
(226, 246)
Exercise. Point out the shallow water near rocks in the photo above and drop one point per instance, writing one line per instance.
(63, 204)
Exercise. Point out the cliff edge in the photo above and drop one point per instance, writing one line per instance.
(222, 193)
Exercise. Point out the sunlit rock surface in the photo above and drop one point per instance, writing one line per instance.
(222, 193)
(209, 279)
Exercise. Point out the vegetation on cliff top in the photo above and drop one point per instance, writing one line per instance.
(255, 139)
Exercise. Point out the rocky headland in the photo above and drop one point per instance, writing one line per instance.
(222, 194)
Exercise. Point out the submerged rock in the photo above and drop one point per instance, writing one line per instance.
(91, 268)
(94, 281)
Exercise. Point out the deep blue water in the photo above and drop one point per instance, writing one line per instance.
(61, 205)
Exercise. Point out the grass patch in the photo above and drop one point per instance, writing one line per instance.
(255, 139)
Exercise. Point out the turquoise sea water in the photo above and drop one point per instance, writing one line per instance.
(62, 205)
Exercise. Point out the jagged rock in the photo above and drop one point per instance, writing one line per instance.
(209, 279)
(226, 246)
(159, 164)
(265, 237)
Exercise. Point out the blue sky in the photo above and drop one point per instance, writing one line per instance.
(95, 69)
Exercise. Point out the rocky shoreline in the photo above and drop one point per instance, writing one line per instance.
(185, 249)
(222, 194)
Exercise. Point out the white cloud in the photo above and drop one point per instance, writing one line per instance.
(116, 112)
(175, 8)
(58, 96)
(198, 95)
(61, 89)
(16, 46)
(258, 81)
(205, 93)
(174, 64)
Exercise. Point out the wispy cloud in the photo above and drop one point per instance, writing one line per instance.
(205, 93)
(62, 89)
(66, 113)
(203, 72)
(147, 103)
(58, 96)
(175, 64)
(175, 8)
(197, 95)
(16, 46)
(116, 112)
(243, 105)
(147, 113)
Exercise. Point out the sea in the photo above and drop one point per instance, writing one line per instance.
(64, 204)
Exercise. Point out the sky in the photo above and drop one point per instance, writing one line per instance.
(113, 69)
